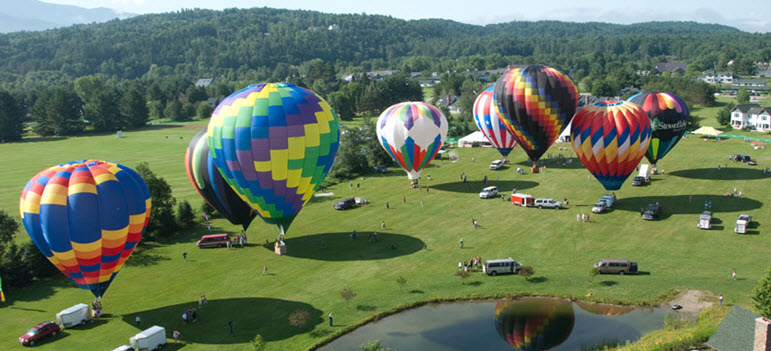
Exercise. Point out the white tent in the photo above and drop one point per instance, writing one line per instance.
(474, 139)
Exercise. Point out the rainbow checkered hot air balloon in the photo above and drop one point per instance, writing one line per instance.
(412, 133)
(86, 217)
(536, 104)
(488, 120)
(208, 182)
(274, 144)
(534, 324)
(610, 138)
(669, 119)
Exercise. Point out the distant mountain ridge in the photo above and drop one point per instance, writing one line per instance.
(32, 15)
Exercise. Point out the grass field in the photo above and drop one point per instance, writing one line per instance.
(157, 285)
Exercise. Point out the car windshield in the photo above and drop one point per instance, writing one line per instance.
(599, 204)
(340, 203)
(31, 332)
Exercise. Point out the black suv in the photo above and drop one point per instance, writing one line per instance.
(638, 181)
(345, 204)
(653, 212)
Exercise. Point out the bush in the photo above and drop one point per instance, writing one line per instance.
(675, 322)
(204, 111)
(761, 295)
(185, 215)
(527, 272)
(299, 318)
(258, 344)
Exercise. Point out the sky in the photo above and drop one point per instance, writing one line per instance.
(747, 15)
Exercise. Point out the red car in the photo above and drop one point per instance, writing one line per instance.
(39, 332)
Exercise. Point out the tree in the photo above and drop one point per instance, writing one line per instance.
(761, 295)
(374, 345)
(342, 104)
(8, 228)
(351, 159)
(195, 94)
(133, 108)
(185, 215)
(258, 343)
(401, 281)
(37, 264)
(527, 272)
(204, 110)
(347, 294)
(155, 109)
(173, 110)
(463, 275)
(13, 269)
(99, 103)
(743, 96)
(57, 112)
(162, 222)
(299, 318)
(188, 110)
(11, 118)
(724, 115)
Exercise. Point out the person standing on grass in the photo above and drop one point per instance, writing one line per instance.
(230, 326)
(382, 225)
(176, 336)
(461, 243)
(138, 320)
(264, 270)
(720, 298)
(330, 319)
(184, 256)
(733, 275)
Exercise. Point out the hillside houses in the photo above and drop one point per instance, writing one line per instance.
(717, 77)
(752, 116)
(672, 67)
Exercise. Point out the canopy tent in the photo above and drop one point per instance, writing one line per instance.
(474, 139)
(708, 131)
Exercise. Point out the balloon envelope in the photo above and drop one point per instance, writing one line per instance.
(412, 133)
(669, 119)
(86, 217)
(534, 324)
(208, 182)
(610, 138)
(536, 104)
(274, 144)
(488, 120)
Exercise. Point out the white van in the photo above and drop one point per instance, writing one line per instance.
(72, 316)
(123, 348)
(497, 164)
(490, 191)
(506, 265)
(742, 223)
(149, 339)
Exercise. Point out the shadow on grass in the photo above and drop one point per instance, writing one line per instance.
(416, 291)
(250, 315)
(475, 283)
(504, 186)
(538, 279)
(92, 324)
(365, 308)
(40, 290)
(141, 257)
(340, 247)
(737, 172)
(553, 163)
(683, 204)
(39, 139)
(608, 283)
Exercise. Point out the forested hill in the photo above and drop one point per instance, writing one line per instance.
(212, 43)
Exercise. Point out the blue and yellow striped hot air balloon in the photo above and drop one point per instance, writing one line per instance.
(86, 217)
(274, 144)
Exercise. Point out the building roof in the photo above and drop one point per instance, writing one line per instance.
(204, 82)
(748, 108)
(671, 67)
(735, 332)
(758, 82)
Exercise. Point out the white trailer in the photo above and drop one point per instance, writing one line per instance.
(149, 339)
(72, 316)
(645, 171)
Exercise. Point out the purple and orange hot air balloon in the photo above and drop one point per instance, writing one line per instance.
(610, 138)
(488, 120)
(536, 104)
(86, 217)
(534, 324)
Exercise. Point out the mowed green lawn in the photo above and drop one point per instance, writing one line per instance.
(157, 285)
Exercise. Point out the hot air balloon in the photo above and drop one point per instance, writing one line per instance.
(488, 120)
(610, 138)
(534, 324)
(86, 217)
(412, 133)
(536, 104)
(274, 144)
(669, 119)
(208, 182)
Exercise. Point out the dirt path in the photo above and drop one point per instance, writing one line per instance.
(693, 301)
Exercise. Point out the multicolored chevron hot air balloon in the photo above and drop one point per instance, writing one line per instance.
(534, 324)
(488, 120)
(536, 104)
(274, 144)
(412, 133)
(610, 138)
(86, 217)
(208, 182)
(669, 119)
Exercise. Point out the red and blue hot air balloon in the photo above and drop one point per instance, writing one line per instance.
(534, 324)
(86, 217)
(669, 119)
(610, 138)
(488, 120)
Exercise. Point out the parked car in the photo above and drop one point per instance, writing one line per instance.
(743, 158)
(497, 164)
(705, 220)
(742, 223)
(652, 212)
(344, 204)
(638, 181)
(490, 191)
(213, 240)
(506, 265)
(381, 169)
(547, 203)
(616, 266)
(39, 332)
(599, 207)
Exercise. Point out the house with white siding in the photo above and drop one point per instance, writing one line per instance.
(752, 116)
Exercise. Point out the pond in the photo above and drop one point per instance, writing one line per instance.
(531, 323)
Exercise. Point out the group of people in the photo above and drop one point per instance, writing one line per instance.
(238, 240)
(190, 315)
(470, 264)
(202, 301)
(96, 308)
(582, 217)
